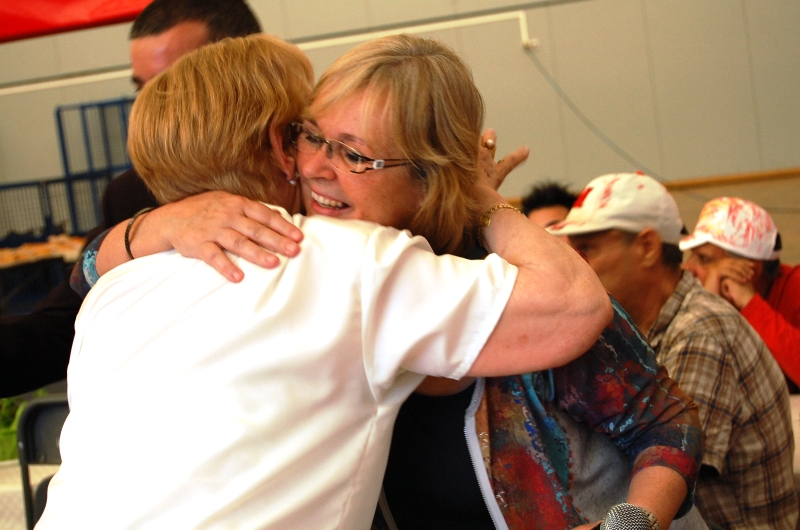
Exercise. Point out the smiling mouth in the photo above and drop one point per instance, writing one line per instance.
(327, 203)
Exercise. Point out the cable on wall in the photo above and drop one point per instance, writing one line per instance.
(586, 121)
(530, 51)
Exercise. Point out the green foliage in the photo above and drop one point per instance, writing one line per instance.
(10, 411)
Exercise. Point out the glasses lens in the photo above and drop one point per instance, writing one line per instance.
(348, 159)
(308, 141)
(341, 156)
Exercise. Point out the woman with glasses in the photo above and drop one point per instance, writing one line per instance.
(269, 403)
(392, 136)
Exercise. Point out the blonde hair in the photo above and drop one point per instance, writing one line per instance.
(204, 123)
(436, 113)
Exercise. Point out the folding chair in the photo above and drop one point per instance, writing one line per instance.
(38, 434)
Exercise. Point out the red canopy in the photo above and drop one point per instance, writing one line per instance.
(21, 19)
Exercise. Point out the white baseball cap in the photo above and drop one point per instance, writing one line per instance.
(625, 201)
(735, 225)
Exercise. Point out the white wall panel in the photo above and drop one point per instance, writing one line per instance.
(28, 145)
(524, 111)
(601, 57)
(775, 50)
(90, 49)
(322, 58)
(27, 59)
(703, 87)
(270, 14)
(304, 18)
(384, 12)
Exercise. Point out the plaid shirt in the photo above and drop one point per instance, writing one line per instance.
(719, 360)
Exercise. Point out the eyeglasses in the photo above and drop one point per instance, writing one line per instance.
(342, 156)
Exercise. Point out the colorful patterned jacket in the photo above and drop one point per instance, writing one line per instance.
(559, 447)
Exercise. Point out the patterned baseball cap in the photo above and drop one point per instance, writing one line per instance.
(625, 201)
(736, 225)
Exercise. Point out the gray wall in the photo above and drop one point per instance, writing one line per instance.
(685, 88)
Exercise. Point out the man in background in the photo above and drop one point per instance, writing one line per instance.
(628, 227)
(735, 252)
(35, 348)
(548, 203)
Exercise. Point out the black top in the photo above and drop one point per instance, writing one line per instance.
(430, 482)
(34, 348)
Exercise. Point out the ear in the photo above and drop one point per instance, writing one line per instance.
(283, 158)
(649, 247)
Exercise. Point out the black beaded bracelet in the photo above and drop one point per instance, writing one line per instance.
(130, 225)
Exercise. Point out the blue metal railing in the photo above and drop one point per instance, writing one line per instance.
(92, 137)
(31, 211)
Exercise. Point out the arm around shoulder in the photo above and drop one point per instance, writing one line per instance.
(202, 226)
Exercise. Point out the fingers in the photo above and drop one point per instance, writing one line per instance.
(738, 269)
(211, 252)
(272, 219)
(206, 225)
(270, 231)
(489, 138)
(495, 173)
(712, 281)
(489, 141)
(259, 246)
(509, 162)
(262, 226)
(212, 255)
(245, 238)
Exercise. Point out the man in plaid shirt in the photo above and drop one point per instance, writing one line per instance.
(628, 227)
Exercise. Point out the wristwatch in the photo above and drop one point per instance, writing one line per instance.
(626, 516)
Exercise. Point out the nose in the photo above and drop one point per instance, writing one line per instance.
(316, 165)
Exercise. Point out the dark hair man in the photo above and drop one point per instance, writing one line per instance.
(548, 203)
(168, 29)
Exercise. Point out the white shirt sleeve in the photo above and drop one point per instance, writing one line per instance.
(425, 313)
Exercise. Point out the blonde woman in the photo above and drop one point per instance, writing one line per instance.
(269, 403)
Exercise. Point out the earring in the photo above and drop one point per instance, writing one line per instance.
(293, 182)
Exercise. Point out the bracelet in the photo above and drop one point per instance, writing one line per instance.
(626, 516)
(486, 219)
(128, 229)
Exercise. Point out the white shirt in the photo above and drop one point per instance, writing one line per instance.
(198, 403)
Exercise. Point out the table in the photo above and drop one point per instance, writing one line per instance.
(22, 267)
(66, 248)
